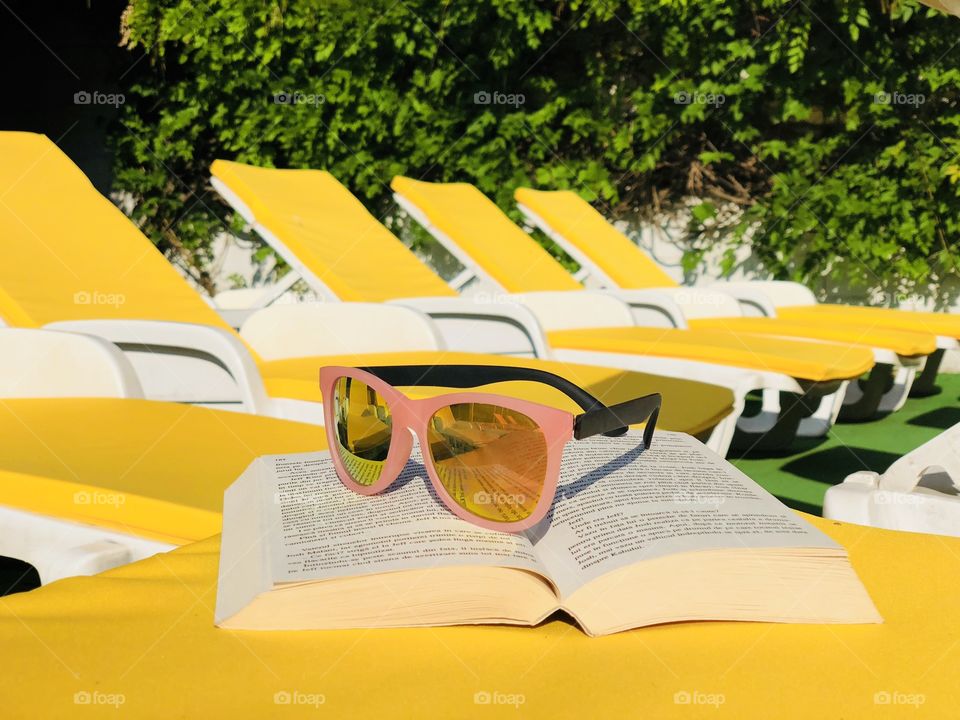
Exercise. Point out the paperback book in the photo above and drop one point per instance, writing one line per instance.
(635, 537)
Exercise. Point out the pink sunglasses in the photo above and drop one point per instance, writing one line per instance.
(493, 460)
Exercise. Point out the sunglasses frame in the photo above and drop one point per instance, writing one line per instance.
(413, 415)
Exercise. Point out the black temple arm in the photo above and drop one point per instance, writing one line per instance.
(615, 420)
(465, 376)
(597, 418)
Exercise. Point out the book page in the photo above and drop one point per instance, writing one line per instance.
(320, 529)
(618, 504)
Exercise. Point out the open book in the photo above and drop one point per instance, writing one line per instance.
(635, 537)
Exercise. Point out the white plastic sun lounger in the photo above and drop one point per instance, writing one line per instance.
(608, 259)
(920, 492)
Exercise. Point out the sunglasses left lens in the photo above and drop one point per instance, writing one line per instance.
(491, 460)
(364, 428)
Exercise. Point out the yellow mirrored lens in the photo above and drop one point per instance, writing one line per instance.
(491, 460)
(363, 426)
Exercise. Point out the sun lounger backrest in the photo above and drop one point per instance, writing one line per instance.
(472, 221)
(320, 226)
(575, 220)
(68, 253)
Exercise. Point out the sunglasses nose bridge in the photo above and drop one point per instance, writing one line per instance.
(414, 414)
(404, 412)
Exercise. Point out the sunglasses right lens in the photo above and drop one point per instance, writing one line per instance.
(491, 460)
(364, 427)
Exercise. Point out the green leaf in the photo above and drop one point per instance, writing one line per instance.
(704, 211)
(710, 157)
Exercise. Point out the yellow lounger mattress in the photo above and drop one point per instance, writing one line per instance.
(143, 634)
(818, 362)
(151, 469)
(576, 220)
(937, 323)
(504, 251)
(71, 254)
(158, 470)
(903, 342)
(331, 233)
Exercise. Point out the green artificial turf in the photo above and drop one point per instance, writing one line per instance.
(801, 477)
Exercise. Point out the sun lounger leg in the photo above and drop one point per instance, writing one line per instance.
(864, 396)
(780, 417)
(925, 383)
(896, 396)
(825, 416)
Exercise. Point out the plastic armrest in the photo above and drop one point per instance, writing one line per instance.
(938, 455)
(575, 309)
(200, 342)
(690, 302)
(485, 323)
(658, 305)
(766, 295)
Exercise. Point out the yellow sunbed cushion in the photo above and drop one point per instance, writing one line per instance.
(514, 259)
(152, 469)
(575, 219)
(814, 361)
(331, 233)
(937, 323)
(688, 406)
(145, 632)
(902, 342)
(70, 254)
